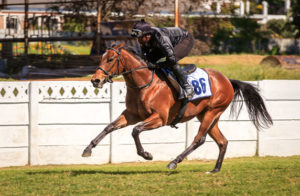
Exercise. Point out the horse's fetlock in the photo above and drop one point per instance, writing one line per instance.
(141, 153)
(178, 159)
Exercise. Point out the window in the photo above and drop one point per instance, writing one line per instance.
(11, 23)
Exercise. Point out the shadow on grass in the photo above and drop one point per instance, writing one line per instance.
(91, 172)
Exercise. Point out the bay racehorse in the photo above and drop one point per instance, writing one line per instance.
(152, 103)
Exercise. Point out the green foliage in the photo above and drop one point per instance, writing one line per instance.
(243, 176)
(77, 25)
(222, 35)
(281, 28)
(161, 22)
(275, 6)
(238, 35)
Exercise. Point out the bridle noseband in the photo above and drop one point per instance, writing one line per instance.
(110, 76)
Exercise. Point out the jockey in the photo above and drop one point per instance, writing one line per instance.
(171, 42)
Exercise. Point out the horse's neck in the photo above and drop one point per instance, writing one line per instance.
(138, 77)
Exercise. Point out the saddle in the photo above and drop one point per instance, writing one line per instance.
(187, 69)
(198, 78)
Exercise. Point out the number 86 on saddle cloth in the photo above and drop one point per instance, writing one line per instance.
(197, 78)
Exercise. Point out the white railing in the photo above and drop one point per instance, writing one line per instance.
(52, 122)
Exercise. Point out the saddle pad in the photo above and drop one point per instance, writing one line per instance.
(200, 81)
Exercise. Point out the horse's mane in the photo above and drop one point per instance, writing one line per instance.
(132, 51)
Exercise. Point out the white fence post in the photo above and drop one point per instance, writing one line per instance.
(114, 112)
(265, 12)
(242, 8)
(247, 7)
(218, 7)
(287, 5)
(33, 135)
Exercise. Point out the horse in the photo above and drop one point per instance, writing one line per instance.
(152, 103)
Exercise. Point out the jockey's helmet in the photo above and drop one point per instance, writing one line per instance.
(141, 28)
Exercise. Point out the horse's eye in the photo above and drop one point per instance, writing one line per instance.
(110, 60)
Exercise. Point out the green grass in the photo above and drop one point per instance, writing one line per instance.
(242, 176)
(255, 72)
(243, 67)
(79, 50)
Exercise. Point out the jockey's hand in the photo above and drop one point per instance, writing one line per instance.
(151, 65)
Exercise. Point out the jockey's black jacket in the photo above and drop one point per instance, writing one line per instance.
(162, 44)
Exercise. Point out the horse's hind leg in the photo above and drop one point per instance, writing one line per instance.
(222, 143)
(209, 120)
(153, 122)
(123, 120)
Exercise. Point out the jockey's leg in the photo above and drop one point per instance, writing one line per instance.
(123, 120)
(188, 90)
(153, 122)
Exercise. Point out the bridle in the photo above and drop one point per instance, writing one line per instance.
(115, 73)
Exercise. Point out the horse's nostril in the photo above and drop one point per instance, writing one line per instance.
(96, 81)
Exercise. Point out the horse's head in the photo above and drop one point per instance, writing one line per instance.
(109, 66)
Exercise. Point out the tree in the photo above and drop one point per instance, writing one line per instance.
(296, 16)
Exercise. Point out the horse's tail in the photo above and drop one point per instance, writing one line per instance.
(258, 113)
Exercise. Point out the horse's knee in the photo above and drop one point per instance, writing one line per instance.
(200, 141)
(223, 144)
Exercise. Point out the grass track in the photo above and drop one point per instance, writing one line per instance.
(243, 67)
(242, 176)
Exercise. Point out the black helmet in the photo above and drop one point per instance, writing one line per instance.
(141, 28)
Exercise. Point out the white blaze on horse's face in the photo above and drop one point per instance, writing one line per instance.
(100, 78)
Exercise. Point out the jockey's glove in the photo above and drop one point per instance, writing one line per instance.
(151, 65)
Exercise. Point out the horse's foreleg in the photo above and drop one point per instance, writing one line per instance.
(153, 122)
(123, 120)
(209, 120)
(222, 143)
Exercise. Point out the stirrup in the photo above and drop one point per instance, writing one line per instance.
(188, 91)
(189, 95)
(186, 95)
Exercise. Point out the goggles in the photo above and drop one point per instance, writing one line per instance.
(136, 33)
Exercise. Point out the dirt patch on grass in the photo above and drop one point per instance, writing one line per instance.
(224, 59)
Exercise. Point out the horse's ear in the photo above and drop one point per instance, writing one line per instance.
(113, 45)
(121, 45)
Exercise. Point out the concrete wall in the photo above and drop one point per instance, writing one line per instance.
(52, 122)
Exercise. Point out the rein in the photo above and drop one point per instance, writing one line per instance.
(110, 76)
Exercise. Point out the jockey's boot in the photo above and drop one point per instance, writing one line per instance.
(188, 89)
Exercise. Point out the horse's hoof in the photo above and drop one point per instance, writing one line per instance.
(147, 156)
(213, 171)
(87, 153)
(172, 165)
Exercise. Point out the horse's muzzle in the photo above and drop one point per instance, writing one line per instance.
(97, 83)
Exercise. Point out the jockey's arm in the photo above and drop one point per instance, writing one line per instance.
(167, 48)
